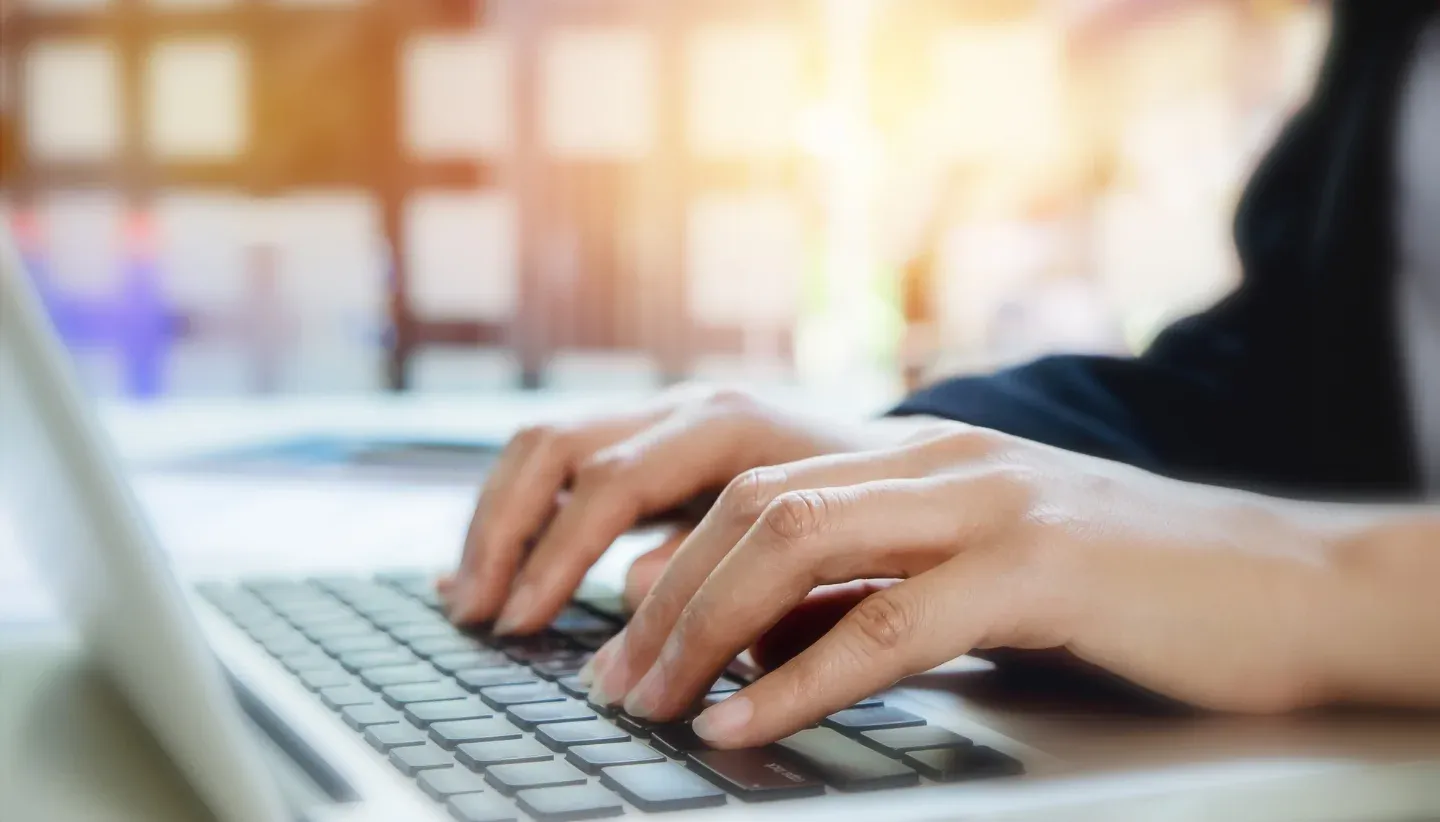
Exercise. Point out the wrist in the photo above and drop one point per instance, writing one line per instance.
(1378, 630)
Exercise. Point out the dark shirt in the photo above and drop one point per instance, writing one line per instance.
(1291, 384)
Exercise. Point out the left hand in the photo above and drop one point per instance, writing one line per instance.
(1209, 596)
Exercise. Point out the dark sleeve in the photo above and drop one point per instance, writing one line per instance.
(1203, 402)
(1216, 396)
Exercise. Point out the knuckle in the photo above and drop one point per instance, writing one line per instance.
(795, 515)
(932, 432)
(537, 436)
(604, 469)
(692, 630)
(972, 441)
(744, 500)
(730, 399)
(883, 621)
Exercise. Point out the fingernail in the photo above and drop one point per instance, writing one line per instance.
(600, 664)
(609, 687)
(720, 723)
(595, 665)
(458, 600)
(515, 610)
(646, 696)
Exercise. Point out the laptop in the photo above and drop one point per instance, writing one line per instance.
(349, 697)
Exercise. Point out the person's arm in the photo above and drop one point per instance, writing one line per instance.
(1219, 397)
(1227, 600)
(1215, 397)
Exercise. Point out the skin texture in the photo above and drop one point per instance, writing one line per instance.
(943, 539)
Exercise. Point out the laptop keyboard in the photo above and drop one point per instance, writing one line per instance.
(500, 729)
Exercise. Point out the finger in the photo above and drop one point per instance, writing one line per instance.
(975, 598)
(890, 528)
(656, 469)
(811, 619)
(518, 498)
(742, 503)
(646, 570)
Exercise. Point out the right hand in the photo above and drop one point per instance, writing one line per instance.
(571, 490)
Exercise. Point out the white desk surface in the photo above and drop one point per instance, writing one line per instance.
(69, 752)
(221, 525)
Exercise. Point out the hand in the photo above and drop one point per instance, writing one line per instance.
(1209, 596)
(570, 491)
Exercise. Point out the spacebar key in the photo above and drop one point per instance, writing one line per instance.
(757, 774)
(845, 763)
(661, 786)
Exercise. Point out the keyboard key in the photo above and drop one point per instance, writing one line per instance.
(349, 644)
(356, 661)
(457, 661)
(322, 679)
(591, 640)
(350, 628)
(897, 741)
(573, 686)
(412, 759)
(378, 678)
(758, 774)
(504, 696)
(451, 734)
(508, 779)
(442, 783)
(386, 618)
(313, 659)
(676, 739)
(633, 724)
(424, 714)
(282, 644)
(399, 695)
(959, 764)
(725, 685)
(603, 710)
(574, 620)
(481, 755)
(531, 714)
(561, 735)
(844, 763)
(385, 738)
(558, 666)
(435, 646)
(531, 649)
(334, 582)
(380, 605)
(361, 717)
(569, 803)
(404, 579)
(855, 721)
(260, 626)
(661, 786)
(321, 616)
(423, 630)
(591, 758)
(346, 695)
(480, 807)
(492, 677)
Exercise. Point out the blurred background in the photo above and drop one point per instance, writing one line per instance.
(249, 197)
